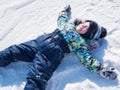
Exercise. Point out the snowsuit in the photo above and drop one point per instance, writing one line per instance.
(47, 51)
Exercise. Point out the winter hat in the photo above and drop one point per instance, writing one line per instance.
(95, 31)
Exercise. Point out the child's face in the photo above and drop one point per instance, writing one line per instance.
(83, 27)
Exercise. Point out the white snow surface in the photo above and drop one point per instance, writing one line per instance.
(23, 20)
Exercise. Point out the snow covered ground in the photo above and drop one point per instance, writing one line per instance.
(22, 20)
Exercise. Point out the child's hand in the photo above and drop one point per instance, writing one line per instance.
(108, 73)
(67, 8)
(93, 45)
(77, 21)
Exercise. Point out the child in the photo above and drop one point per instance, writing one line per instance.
(47, 51)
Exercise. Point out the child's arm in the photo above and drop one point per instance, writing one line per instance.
(94, 64)
(64, 17)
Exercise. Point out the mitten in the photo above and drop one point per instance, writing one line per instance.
(67, 9)
(92, 45)
(77, 21)
(108, 73)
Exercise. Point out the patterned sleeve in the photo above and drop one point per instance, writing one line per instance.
(62, 20)
(87, 60)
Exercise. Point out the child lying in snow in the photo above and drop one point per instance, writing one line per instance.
(47, 51)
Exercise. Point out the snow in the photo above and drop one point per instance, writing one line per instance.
(23, 20)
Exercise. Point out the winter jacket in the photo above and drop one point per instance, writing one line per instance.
(76, 43)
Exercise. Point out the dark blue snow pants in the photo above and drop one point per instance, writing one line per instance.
(46, 53)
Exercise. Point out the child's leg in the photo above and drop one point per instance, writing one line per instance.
(44, 64)
(23, 52)
(39, 74)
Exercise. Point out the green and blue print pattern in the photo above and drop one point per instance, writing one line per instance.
(76, 43)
